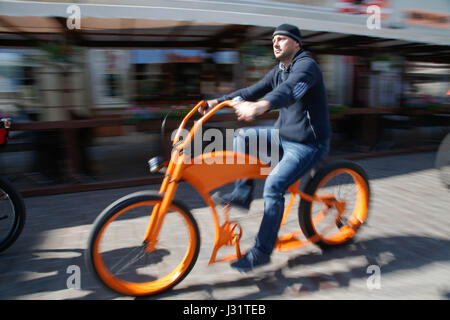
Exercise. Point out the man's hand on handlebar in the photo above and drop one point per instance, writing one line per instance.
(245, 110)
(248, 111)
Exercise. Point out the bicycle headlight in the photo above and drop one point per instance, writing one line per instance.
(156, 164)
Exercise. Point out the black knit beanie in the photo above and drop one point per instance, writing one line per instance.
(290, 31)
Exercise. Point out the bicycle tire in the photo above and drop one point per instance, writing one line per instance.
(15, 210)
(142, 283)
(341, 231)
(442, 161)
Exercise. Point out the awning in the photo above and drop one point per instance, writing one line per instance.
(214, 26)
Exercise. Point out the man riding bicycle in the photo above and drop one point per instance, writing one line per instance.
(296, 88)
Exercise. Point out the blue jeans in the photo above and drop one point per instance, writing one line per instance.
(296, 159)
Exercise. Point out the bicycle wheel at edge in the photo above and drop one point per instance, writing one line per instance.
(116, 249)
(442, 161)
(12, 214)
(345, 182)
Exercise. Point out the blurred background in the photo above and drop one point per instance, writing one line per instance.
(88, 87)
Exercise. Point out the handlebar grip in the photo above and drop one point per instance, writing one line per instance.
(204, 106)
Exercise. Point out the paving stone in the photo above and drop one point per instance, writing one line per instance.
(407, 236)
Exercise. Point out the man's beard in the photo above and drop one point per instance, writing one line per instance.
(283, 55)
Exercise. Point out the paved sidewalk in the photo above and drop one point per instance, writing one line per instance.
(407, 236)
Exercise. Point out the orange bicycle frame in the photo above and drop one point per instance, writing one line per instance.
(209, 171)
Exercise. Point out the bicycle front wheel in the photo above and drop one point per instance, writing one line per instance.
(12, 214)
(345, 188)
(118, 254)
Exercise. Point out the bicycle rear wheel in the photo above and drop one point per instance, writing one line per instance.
(12, 214)
(117, 251)
(345, 186)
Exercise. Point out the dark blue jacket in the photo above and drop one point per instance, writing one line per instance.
(299, 94)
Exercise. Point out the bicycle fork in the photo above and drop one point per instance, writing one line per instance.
(168, 189)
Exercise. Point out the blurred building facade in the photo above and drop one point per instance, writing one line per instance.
(114, 77)
(123, 63)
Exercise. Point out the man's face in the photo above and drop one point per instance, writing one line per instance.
(284, 47)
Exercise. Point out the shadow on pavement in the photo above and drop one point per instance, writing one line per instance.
(26, 269)
(403, 252)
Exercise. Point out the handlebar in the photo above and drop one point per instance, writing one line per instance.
(199, 123)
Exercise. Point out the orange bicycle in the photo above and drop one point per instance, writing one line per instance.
(147, 242)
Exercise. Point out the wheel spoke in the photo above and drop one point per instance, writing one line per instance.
(12, 214)
(139, 253)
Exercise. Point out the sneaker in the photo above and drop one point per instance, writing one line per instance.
(228, 199)
(250, 261)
